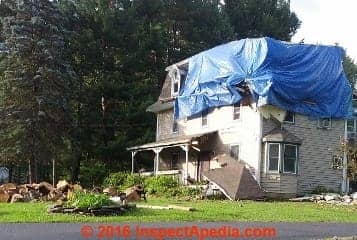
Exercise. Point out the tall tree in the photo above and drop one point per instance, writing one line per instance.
(259, 18)
(35, 81)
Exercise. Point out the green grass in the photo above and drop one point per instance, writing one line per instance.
(206, 211)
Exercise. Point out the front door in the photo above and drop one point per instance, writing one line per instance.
(203, 163)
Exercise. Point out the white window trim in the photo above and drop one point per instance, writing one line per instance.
(280, 160)
(268, 159)
(296, 157)
(293, 122)
(324, 127)
(175, 76)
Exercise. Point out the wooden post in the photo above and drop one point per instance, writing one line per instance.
(185, 148)
(156, 161)
(132, 161)
(53, 172)
(30, 172)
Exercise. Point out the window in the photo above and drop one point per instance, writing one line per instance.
(324, 123)
(234, 152)
(336, 162)
(236, 111)
(289, 117)
(175, 81)
(204, 118)
(274, 155)
(351, 129)
(174, 126)
(290, 158)
(282, 157)
(175, 157)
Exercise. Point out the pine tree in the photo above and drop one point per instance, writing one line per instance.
(35, 82)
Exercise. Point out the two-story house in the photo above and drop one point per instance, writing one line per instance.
(286, 153)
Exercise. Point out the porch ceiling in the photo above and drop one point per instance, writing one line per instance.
(171, 142)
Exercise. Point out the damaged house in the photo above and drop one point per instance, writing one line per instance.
(255, 116)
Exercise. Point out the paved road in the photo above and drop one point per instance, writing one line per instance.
(73, 231)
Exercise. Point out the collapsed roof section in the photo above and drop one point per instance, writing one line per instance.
(307, 79)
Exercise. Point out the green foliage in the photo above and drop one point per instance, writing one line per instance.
(92, 174)
(190, 192)
(350, 68)
(162, 186)
(89, 200)
(123, 180)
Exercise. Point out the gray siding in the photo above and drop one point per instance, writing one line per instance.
(165, 122)
(315, 156)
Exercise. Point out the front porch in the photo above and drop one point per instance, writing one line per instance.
(182, 156)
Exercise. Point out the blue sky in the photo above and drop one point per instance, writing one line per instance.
(328, 22)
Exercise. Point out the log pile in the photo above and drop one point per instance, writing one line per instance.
(42, 191)
(98, 211)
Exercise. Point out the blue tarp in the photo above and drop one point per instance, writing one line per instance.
(303, 78)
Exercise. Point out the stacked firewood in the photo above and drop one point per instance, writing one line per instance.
(42, 191)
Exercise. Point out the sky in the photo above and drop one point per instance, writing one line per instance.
(327, 22)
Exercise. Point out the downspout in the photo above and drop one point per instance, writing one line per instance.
(259, 141)
(344, 164)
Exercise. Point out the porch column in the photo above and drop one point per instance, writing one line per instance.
(157, 158)
(133, 153)
(186, 148)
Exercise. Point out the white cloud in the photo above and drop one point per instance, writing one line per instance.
(327, 22)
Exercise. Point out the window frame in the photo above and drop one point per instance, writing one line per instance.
(285, 121)
(204, 116)
(230, 150)
(281, 157)
(296, 158)
(175, 75)
(235, 106)
(268, 157)
(319, 121)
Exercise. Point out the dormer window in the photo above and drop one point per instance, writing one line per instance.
(177, 77)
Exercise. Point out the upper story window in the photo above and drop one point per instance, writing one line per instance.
(234, 151)
(177, 77)
(175, 128)
(289, 117)
(282, 157)
(351, 129)
(204, 118)
(236, 111)
(324, 123)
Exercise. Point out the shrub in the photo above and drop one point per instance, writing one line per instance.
(161, 186)
(123, 180)
(190, 192)
(88, 200)
(92, 175)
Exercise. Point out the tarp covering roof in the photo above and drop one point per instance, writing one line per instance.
(303, 78)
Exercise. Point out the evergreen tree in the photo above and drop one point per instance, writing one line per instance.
(35, 81)
(260, 18)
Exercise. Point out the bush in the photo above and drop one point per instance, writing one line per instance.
(123, 180)
(190, 192)
(161, 186)
(88, 200)
(92, 175)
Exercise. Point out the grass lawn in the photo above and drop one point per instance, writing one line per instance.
(206, 211)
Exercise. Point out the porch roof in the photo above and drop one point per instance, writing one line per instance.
(170, 142)
(281, 135)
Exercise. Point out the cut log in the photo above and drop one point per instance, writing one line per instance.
(62, 186)
(45, 188)
(153, 207)
(16, 198)
(302, 199)
(110, 191)
(4, 197)
(181, 208)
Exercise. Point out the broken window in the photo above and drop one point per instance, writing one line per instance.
(351, 129)
(234, 152)
(289, 117)
(236, 111)
(174, 126)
